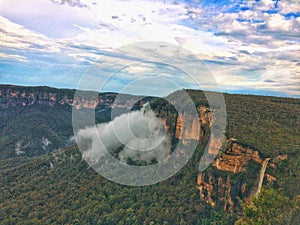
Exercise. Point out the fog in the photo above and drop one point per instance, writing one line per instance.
(139, 135)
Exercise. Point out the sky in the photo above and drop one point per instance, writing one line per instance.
(246, 46)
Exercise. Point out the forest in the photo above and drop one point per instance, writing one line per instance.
(56, 186)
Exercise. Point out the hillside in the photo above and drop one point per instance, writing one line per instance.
(37, 120)
(61, 189)
(58, 187)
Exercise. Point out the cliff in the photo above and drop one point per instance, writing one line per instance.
(236, 158)
(11, 96)
(215, 185)
(238, 171)
(194, 132)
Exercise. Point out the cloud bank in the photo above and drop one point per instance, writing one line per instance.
(138, 135)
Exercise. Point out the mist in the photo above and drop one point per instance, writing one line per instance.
(138, 135)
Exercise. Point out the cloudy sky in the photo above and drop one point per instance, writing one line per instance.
(249, 46)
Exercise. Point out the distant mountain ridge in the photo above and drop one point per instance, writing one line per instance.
(248, 117)
(11, 95)
(38, 120)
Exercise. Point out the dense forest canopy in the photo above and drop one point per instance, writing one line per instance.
(51, 186)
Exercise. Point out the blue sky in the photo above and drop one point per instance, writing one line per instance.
(248, 46)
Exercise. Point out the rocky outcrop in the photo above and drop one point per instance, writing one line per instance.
(236, 158)
(193, 131)
(206, 187)
(220, 188)
(270, 178)
(187, 128)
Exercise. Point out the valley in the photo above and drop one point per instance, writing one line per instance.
(44, 179)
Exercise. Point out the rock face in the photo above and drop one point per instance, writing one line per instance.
(236, 158)
(11, 96)
(219, 190)
(187, 134)
(216, 190)
(187, 128)
(18, 96)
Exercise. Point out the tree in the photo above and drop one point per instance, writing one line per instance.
(270, 207)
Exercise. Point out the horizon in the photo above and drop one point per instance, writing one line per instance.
(154, 96)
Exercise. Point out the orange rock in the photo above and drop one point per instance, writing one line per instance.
(270, 178)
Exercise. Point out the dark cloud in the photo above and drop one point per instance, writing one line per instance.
(220, 62)
(245, 52)
(255, 68)
(269, 81)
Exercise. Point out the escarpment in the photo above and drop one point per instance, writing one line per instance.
(11, 96)
(236, 158)
(193, 132)
(41, 117)
(237, 172)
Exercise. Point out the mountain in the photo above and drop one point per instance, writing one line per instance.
(259, 157)
(38, 120)
(262, 146)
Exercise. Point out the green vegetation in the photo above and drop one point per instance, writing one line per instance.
(28, 126)
(271, 207)
(59, 188)
(269, 124)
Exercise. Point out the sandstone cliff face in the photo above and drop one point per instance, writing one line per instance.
(217, 191)
(236, 158)
(14, 96)
(187, 128)
(11, 96)
(233, 158)
(214, 190)
(193, 133)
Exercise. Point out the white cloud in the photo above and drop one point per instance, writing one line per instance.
(265, 4)
(13, 56)
(15, 36)
(18, 148)
(76, 3)
(277, 22)
(286, 7)
(137, 135)
(43, 16)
